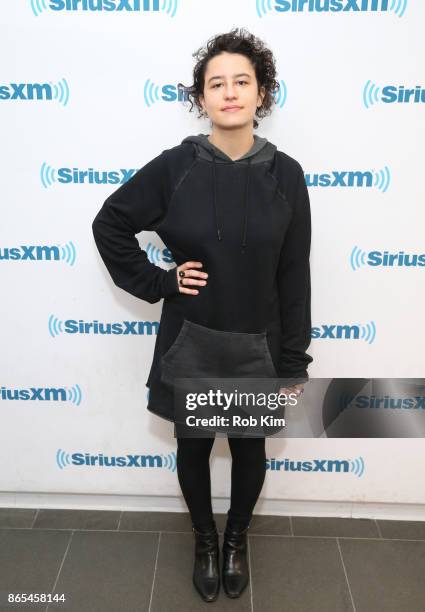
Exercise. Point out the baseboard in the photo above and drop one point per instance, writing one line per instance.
(280, 507)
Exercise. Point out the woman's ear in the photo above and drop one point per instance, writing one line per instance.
(261, 96)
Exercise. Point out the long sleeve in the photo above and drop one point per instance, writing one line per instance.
(139, 204)
(294, 287)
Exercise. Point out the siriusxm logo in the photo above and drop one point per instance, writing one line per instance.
(90, 176)
(380, 179)
(392, 94)
(386, 401)
(281, 94)
(365, 332)
(330, 6)
(131, 6)
(153, 93)
(64, 459)
(33, 252)
(36, 91)
(157, 255)
(71, 326)
(359, 258)
(167, 93)
(355, 466)
(43, 394)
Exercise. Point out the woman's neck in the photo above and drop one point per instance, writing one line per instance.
(234, 144)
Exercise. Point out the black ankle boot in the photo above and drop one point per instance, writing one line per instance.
(235, 563)
(206, 573)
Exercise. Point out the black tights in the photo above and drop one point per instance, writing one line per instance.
(248, 474)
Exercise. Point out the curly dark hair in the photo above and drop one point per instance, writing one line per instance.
(238, 40)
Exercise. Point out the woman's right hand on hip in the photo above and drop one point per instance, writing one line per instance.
(187, 275)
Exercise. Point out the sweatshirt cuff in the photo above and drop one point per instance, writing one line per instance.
(170, 285)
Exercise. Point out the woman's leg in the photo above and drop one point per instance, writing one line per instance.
(193, 471)
(248, 475)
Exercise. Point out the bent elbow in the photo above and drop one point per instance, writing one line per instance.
(95, 224)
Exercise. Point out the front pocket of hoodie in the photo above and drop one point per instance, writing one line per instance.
(203, 352)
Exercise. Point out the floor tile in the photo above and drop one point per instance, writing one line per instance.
(298, 575)
(17, 517)
(108, 571)
(77, 519)
(334, 526)
(29, 562)
(220, 521)
(155, 521)
(385, 575)
(270, 525)
(409, 530)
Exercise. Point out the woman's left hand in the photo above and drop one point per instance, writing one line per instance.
(297, 389)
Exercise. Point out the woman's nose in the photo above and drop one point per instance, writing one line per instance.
(229, 91)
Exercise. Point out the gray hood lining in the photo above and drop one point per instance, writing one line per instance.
(261, 151)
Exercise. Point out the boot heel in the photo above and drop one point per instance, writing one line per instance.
(235, 571)
(206, 572)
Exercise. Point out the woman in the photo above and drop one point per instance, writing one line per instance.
(235, 214)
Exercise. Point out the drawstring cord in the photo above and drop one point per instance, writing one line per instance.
(217, 221)
(217, 217)
(246, 205)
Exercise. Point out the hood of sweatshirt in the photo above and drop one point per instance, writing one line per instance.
(261, 151)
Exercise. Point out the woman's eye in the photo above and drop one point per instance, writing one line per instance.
(218, 84)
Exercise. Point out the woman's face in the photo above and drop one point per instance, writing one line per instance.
(230, 81)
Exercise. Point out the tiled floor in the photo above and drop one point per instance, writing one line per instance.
(134, 561)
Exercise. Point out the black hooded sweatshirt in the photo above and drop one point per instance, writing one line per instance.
(248, 221)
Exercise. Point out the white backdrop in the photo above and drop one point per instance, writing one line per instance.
(88, 91)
